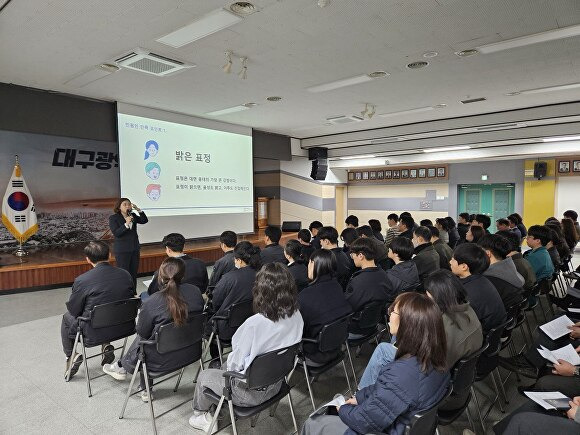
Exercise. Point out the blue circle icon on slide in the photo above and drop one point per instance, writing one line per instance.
(151, 149)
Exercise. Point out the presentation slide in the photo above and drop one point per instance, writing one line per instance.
(188, 179)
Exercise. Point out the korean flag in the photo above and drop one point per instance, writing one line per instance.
(18, 213)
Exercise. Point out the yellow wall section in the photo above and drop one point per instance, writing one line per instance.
(539, 195)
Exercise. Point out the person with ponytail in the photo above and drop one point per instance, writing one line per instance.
(174, 302)
(296, 266)
(235, 286)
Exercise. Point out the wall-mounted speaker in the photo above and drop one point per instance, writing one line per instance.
(319, 168)
(540, 170)
(291, 226)
(317, 153)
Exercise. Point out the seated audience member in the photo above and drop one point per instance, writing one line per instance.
(443, 227)
(483, 221)
(351, 221)
(463, 223)
(228, 240)
(571, 214)
(369, 284)
(406, 226)
(174, 302)
(407, 214)
(522, 265)
(195, 269)
(425, 223)
(443, 250)
(468, 264)
(502, 271)
(558, 242)
(552, 249)
(381, 259)
(415, 380)
(272, 252)
(393, 230)
(403, 276)
(569, 233)
(276, 324)
(376, 226)
(102, 284)
(344, 265)
(520, 224)
(321, 302)
(474, 233)
(502, 224)
(348, 235)
(513, 226)
(296, 265)
(538, 256)
(306, 248)
(313, 228)
(453, 233)
(426, 257)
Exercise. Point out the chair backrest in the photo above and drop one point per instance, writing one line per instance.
(114, 313)
(271, 367)
(239, 312)
(425, 422)
(544, 285)
(493, 338)
(170, 338)
(369, 316)
(463, 372)
(333, 335)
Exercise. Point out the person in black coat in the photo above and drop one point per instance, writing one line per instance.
(296, 265)
(304, 238)
(453, 232)
(376, 226)
(273, 252)
(123, 225)
(322, 302)
(403, 276)
(368, 284)
(228, 241)
(175, 302)
(314, 227)
(426, 257)
(195, 269)
(100, 285)
(406, 226)
(443, 250)
(468, 264)
(462, 226)
(344, 265)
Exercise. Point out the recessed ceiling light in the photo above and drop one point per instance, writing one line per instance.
(407, 112)
(242, 8)
(110, 67)
(274, 98)
(328, 123)
(346, 82)
(362, 156)
(378, 74)
(560, 139)
(440, 106)
(513, 94)
(443, 149)
(546, 89)
(417, 65)
(250, 104)
(430, 54)
(467, 53)
(229, 110)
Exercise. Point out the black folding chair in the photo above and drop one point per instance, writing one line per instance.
(234, 317)
(265, 370)
(332, 337)
(168, 339)
(425, 422)
(109, 315)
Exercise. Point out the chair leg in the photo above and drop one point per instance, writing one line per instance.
(527, 321)
(72, 355)
(178, 380)
(86, 366)
(232, 417)
(501, 386)
(208, 345)
(478, 408)
(273, 409)
(352, 367)
(254, 420)
(469, 419)
(216, 414)
(123, 349)
(148, 388)
(347, 378)
(219, 346)
(135, 372)
(499, 397)
(308, 385)
(292, 412)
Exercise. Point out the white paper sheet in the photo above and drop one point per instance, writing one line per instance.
(557, 328)
(539, 396)
(574, 310)
(566, 353)
(147, 282)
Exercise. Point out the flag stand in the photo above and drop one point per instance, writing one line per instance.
(20, 252)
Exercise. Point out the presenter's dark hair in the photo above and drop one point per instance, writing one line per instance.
(421, 333)
(365, 230)
(97, 251)
(117, 208)
(408, 221)
(513, 239)
(365, 246)
(393, 217)
(229, 238)
(540, 232)
(473, 256)
(324, 263)
(315, 225)
(434, 231)
(174, 241)
(249, 254)
(349, 235)
(476, 232)
(293, 249)
(275, 293)
(273, 233)
(423, 232)
(170, 275)
(403, 247)
(446, 290)
(328, 233)
(304, 235)
(352, 220)
(499, 246)
(375, 224)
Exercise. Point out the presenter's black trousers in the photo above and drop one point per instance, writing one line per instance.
(130, 262)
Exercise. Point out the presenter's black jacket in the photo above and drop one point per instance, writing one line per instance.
(344, 267)
(273, 253)
(300, 273)
(321, 302)
(102, 284)
(126, 239)
(366, 286)
(195, 274)
(306, 252)
(427, 260)
(153, 314)
(485, 301)
(235, 286)
(221, 267)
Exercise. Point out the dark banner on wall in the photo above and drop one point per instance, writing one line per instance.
(74, 183)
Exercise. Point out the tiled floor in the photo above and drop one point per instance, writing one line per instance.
(35, 398)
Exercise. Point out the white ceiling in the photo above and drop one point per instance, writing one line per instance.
(294, 44)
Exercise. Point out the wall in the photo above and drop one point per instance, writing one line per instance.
(567, 195)
(539, 195)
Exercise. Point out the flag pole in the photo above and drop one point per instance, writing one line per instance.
(20, 252)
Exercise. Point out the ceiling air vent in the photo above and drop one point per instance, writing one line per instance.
(473, 100)
(344, 119)
(151, 63)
